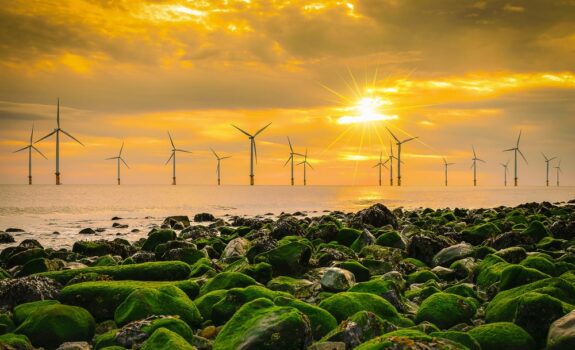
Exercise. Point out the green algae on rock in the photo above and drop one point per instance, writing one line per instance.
(445, 310)
(502, 335)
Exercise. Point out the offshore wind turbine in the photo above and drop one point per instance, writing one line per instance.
(505, 171)
(173, 158)
(558, 167)
(515, 151)
(119, 159)
(390, 160)
(547, 160)
(445, 164)
(305, 164)
(30, 147)
(291, 158)
(57, 131)
(399, 143)
(474, 166)
(218, 170)
(380, 164)
(253, 149)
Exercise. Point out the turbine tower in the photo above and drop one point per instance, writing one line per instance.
(380, 164)
(504, 165)
(30, 147)
(253, 149)
(119, 159)
(390, 160)
(399, 143)
(547, 160)
(291, 158)
(558, 167)
(218, 169)
(173, 158)
(57, 131)
(305, 165)
(474, 166)
(445, 164)
(515, 151)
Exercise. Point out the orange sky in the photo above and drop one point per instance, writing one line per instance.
(329, 74)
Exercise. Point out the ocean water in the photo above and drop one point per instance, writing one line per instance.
(42, 210)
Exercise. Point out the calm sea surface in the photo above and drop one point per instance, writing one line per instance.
(42, 210)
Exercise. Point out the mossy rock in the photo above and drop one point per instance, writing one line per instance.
(158, 237)
(409, 339)
(502, 335)
(421, 276)
(22, 311)
(288, 284)
(227, 280)
(320, 320)
(517, 275)
(360, 272)
(458, 337)
(165, 339)
(201, 267)
(102, 298)
(478, 233)
(466, 290)
(422, 292)
(261, 325)
(150, 271)
(346, 236)
(105, 260)
(391, 239)
(541, 263)
(52, 325)
(489, 270)
(261, 272)
(359, 328)
(25, 256)
(206, 302)
(447, 256)
(536, 312)
(224, 309)
(41, 265)
(445, 310)
(377, 286)
(11, 341)
(6, 323)
(504, 305)
(287, 259)
(167, 300)
(345, 304)
(416, 262)
(536, 230)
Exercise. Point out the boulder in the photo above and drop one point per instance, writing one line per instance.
(445, 310)
(227, 280)
(447, 256)
(562, 333)
(287, 259)
(165, 339)
(17, 291)
(502, 335)
(203, 217)
(337, 280)
(377, 216)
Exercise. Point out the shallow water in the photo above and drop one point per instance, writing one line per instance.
(43, 209)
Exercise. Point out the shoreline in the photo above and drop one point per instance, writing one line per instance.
(376, 278)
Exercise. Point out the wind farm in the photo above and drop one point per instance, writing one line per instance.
(547, 161)
(380, 165)
(305, 164)
(399, 143)
(30, 147)
(291, 160)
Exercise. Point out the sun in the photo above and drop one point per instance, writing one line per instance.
(367, 109)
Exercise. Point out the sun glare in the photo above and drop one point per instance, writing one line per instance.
(367, 110)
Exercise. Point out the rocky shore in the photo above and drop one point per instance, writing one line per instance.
(481, 279)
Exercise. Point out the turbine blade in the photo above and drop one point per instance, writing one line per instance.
(309, 164)
(32, 133)
(111, 158)
(300, 163)
(396, 139)
(182, 150)
(290, 146)
(171, 141)
(509, 150)
(255, 150)
(37, 150)
(242, 130)
(123, 161)
(522, 156)
(444, 161)
(21, 149)
(409, 139)
(72, 137)
(544, 156)
(519, 138)
(262, 129)
(173, 152)
(58, 114)
(287, 161)
(375, 166)
(45, 137)
(214, 152)
(225, 157)
(552, 158)
(481, 160)
(473, 148)
(121, 149)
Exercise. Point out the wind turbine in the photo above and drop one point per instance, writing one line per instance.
(515, 150)
(291, 158)
(547, 160)
(558, 167)
(474, 166)
(399, 143)
(445, 164)
(173, 157)
(120, 159)
(504, 165)
(30, 147)
(390, 160)
(253, 150)
(218, 170)
(57, 131)
(380, 164)
(305, 164)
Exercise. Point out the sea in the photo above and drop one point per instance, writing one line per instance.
(54, 215)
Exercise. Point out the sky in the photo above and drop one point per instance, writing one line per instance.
(331, 75)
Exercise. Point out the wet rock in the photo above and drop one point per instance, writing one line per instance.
(360, 328)
(87, 231)
(563, 229)
(142, 257)
(6, 238)
(287, 226)
(377, 216)
(337, 280)
(30, 243)
(448, 255)
(235, 249)
(173, 220)
(78, 345)
(118, 225)
(197, 232)
(424, 247)
(202, 217)
(509, 239)
(562, 333)
(13, 230)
